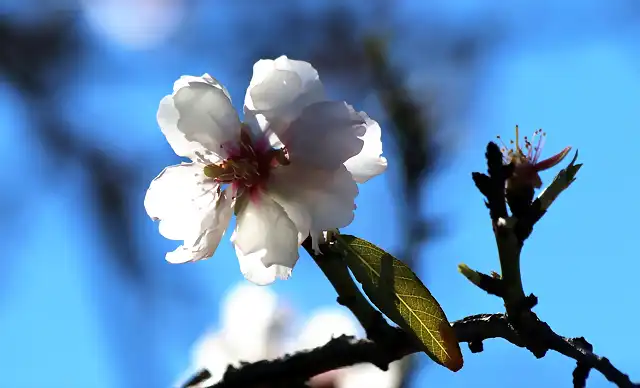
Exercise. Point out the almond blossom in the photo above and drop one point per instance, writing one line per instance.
(527, 165)
(330, 322)
(256, 324)
(288, 171)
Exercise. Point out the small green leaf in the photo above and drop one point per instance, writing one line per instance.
(473, 276)
(401, 296)
(561, 182)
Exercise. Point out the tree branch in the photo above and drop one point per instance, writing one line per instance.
(345, 351)
(385, 344)
(510, 233)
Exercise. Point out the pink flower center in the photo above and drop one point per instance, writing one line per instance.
(533, 151)
(248, 165)
(527, 165)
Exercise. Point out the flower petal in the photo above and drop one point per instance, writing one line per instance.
(248, 317)
(334, 205)
(210, 352)
(318, 238)
(177, 194)
(266, 241)
(213, 228)
(198, 118)
(190, 208)
(329, 196)
(325, 135)
(370, 376)
(280, 89)
(328, 323)
(369, 162)
(185, 80)
(297, 211)
(323, 325)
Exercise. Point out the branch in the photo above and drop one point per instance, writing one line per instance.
(300, 367)
(493, 285)
(345, 351)
(385, 344)
(477, 328)
(349, 296)
(510, 234)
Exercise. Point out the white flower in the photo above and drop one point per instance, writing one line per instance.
(328, 323)
(253, 328)
(250, 319)
(290, 169)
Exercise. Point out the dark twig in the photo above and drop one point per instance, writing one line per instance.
(197, 379)
(510, 233)
(581, 373)
(385, 344)
(301, 366)
(492, 285)
(349, 295)
(346, 351)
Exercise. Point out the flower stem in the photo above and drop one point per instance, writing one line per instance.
(349, 295)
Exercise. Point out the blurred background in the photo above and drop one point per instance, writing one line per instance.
(86, 298)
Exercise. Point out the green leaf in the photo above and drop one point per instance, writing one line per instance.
(401, 296)
(561, 182)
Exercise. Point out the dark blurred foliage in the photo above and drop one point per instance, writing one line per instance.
(37, 59)
(357, 50)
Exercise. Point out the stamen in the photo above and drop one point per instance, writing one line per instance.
(213, 171)
(248, 164)
(504, 146)
(541, 139)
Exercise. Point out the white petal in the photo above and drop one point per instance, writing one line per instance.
(320, 328)
(212, 353)
(259, 127)
(325, 135)
(250, 308)
(297, 211)
(318, 238)
(248, 315)
(198, 118)
(185, 80)
(370, 376)
(280, 89)
(190, 208)
(179, 193)
(329, 323)
(213, 227)
(324, 325)
(334, 205)
(329, 196)
(266, 241)
(369, 162)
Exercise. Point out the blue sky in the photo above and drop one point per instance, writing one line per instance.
(67, 320)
